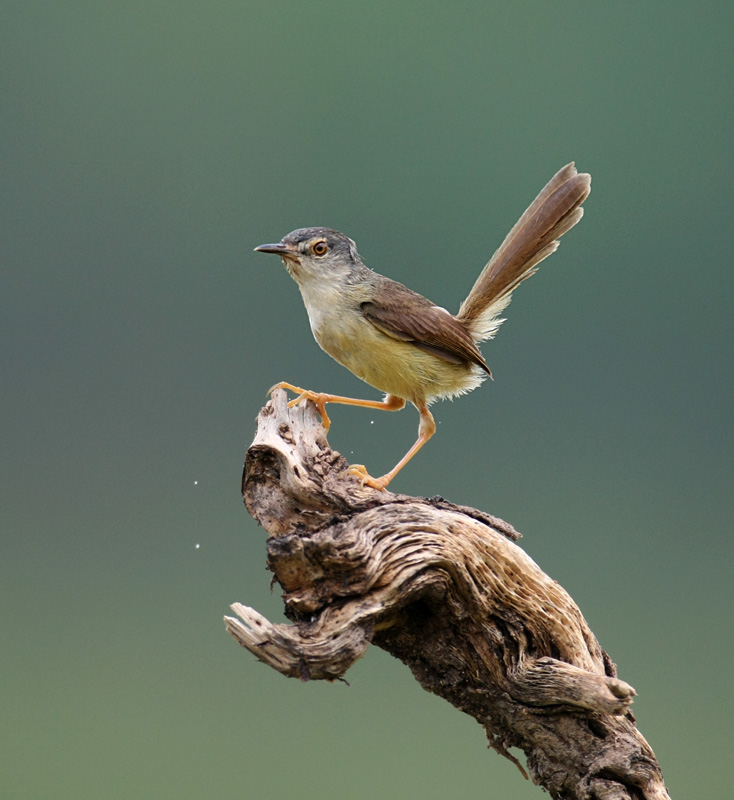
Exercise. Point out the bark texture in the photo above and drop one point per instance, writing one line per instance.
(445, 589)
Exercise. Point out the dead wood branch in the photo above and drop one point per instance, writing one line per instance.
(447, 591)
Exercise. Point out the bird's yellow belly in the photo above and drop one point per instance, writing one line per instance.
(395, 367)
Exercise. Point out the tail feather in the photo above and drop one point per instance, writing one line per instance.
(534, 237)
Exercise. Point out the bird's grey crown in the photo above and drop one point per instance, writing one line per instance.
(339, 243)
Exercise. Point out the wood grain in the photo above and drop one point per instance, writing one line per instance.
(447, 590)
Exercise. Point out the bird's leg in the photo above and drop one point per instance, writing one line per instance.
(319, 399)
(426, 429)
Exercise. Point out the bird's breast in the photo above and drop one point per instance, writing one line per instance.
(392, 366)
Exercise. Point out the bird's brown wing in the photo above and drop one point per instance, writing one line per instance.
(402, 314)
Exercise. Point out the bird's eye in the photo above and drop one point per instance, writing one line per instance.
(319, 247)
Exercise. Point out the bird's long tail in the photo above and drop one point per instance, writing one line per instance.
(535, 236)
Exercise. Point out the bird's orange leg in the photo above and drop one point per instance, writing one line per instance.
(426, 429)
(319, 399)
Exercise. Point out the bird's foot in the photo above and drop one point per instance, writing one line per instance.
(283, 385)
(360, 471)
(319, 399)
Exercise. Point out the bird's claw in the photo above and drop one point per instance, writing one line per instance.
(283, 385)
(319, 399)
(360, 471)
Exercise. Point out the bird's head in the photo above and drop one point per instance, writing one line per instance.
(316, 254)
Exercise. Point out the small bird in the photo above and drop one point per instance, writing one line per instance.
(398, 341)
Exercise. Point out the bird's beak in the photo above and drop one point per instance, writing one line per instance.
(280, 249)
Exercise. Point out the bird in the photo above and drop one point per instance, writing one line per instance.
(398, 341)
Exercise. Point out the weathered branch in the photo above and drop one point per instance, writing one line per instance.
(446, 590)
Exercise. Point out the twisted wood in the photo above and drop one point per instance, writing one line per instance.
(445, 589)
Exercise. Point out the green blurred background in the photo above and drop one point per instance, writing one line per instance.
(146, 149)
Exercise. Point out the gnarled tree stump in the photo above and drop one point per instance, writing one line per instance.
(445, 589)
